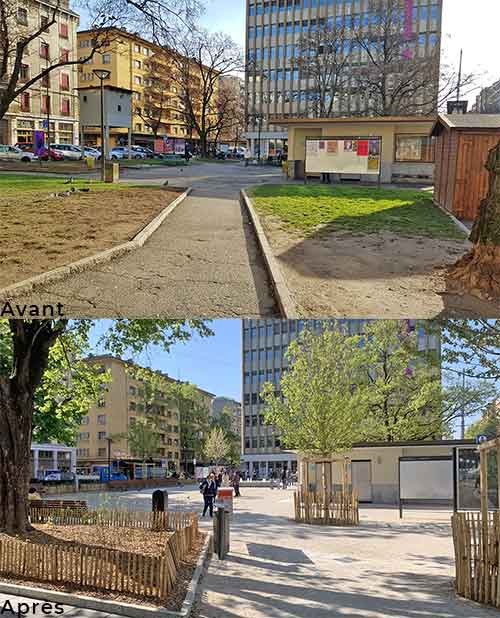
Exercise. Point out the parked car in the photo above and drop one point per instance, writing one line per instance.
(13, 153)
(68, 151)
(44, 155)
(116, 153)
(141, 151)
(121, 152)
(91, 152)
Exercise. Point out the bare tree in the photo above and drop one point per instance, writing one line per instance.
(231, 111)
(323, 60)
(160, 19)
(394, 77)
(202, 59)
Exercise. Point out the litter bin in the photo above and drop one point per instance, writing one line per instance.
(90, 161)
(160, 500)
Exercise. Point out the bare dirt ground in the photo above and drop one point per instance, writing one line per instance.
(341, 273)
(38, 235)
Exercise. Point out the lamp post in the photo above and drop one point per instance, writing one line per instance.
(102, 74)
(258, 117)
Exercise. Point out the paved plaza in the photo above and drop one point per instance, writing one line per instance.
(279, 569)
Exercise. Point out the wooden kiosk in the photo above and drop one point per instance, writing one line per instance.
(325, 494)
(476, 538)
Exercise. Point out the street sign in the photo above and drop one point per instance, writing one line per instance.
(45, 124)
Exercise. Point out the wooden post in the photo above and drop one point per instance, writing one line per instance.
(483, 472)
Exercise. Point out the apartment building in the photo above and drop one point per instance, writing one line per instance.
(488, 100)
(275, 86)
(52, 101)
(264, 345)
(140, 66)
(123, 401)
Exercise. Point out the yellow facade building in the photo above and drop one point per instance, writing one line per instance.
(122, 402)
(133, 62)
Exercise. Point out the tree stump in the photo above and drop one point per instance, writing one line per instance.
(478, 272)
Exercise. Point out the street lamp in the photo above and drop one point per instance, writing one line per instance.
(102, 74)
(259, 117)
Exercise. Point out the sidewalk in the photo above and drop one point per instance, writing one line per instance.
(279, 569)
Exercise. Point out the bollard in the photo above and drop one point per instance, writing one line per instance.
(221, 533)
(112, 172)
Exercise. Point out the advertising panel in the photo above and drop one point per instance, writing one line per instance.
(344, 155)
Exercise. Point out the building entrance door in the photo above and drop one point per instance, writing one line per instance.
(362, 479)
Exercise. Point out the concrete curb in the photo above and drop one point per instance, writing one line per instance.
(113, 607)
(457, 222)
(287, 305)
(64, 272)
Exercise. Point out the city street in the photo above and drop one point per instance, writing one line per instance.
(278, 569)
(203, 260)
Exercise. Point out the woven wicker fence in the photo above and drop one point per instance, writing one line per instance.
(327, 508)
(477, 553)
(106, 569)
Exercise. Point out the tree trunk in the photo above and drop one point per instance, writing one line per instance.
(31, 343)
(478, 272)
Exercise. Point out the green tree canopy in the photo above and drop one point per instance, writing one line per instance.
(319, 411)
(216, 447)
(28, 354)
(225, 422)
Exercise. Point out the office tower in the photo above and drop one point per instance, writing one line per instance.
(274, 81)
(264, 344)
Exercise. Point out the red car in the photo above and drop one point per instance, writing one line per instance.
(44, 156)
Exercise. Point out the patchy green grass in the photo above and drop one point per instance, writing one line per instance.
(321, 209)
(25, 183)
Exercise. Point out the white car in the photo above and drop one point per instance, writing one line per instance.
(91, 152)
(68, 151)
(13, 153)
(135, 153)
(116, 153)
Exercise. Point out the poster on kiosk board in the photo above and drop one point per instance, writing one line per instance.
(343, 155)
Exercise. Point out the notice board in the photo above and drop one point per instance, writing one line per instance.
(343, 155)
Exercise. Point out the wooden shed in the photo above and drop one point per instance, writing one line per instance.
(462, 145)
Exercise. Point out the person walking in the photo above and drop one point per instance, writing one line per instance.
(248, 156)
(236, 484)
(208, 488)
(284, 478)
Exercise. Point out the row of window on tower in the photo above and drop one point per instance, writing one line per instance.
(281, 6)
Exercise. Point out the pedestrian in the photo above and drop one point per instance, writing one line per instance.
(284, 478)
(236, 484)
(248, 156)
(208, 489)
(325, 177)
(219, 479)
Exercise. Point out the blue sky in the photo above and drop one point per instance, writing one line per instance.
(213, 363)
